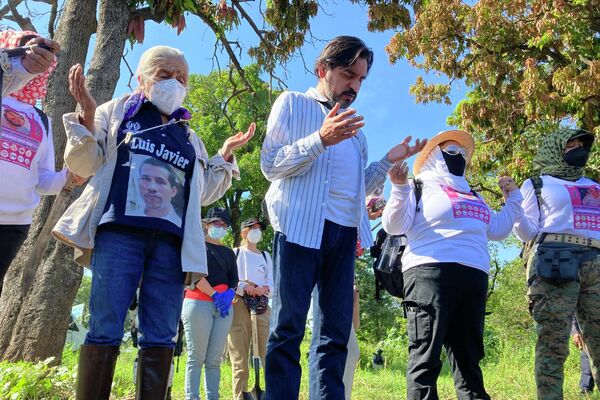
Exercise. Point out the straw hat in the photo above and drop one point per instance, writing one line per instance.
(460, 137)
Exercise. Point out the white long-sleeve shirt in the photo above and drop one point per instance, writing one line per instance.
(256, 268)
(567, 207)
(451, 227)
(299, 168)
(26, 163)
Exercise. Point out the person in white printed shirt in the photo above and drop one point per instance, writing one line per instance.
(26, 146)
(315, 156)
(446, 262)
(563, 266)
(255, 272)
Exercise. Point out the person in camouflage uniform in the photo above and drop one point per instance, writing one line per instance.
(561, 211)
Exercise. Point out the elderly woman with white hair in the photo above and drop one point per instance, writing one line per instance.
(446, 262)
(138, 222)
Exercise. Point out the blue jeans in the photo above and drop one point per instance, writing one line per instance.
(121, 258)
(205, 334)
(297, 270)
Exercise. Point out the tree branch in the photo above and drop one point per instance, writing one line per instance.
(251, 22)
(23, 22)
(223, 39)
(494, 276)
(147, 13)
(52, 19)
(6, 9)
(131, 73)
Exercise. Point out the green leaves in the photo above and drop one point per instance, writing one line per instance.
(220, 107)
(24, 380)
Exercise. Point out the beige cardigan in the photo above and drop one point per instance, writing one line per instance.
(88, 154)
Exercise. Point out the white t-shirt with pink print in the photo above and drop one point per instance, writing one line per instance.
(453, 225)
(569, 207)
(450, 226)
(26, 163)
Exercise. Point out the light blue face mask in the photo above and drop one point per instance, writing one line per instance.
(216, 232)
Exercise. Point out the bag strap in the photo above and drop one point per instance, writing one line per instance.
(538, 184)
(418, 192)
(44, 119)
(237, 253)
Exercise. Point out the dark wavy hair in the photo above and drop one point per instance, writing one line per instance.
(343, 51)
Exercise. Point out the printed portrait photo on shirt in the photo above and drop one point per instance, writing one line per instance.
(20, 137)
(156, 189)
(585, 201)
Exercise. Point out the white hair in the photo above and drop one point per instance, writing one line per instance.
(154, 56)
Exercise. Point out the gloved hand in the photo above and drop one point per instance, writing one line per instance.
(223, 301)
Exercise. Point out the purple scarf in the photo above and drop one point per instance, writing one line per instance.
(135, 101)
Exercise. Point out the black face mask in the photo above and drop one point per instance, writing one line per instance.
(456, 163)
(577, 157)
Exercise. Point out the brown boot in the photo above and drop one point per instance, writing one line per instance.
(153, 370)
(95, 371)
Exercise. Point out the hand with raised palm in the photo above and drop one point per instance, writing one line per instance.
(236, 141)
(404, 150)
(83, 97)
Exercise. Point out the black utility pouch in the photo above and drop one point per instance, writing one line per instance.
(557, 262)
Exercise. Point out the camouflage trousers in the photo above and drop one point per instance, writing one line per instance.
(552, 308)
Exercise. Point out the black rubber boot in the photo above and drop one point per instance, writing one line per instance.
(95, 371)
(153, 370)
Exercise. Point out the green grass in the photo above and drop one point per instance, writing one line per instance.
(509, 376)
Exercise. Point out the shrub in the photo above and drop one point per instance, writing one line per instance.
(25, 380)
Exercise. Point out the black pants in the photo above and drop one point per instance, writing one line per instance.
(445, 306)
(11, 239)
(587, 380)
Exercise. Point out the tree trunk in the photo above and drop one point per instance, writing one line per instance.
(104, 70)
(42, 282)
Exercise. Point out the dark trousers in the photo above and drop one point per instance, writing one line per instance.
(445, 306)
(11, 240)
(296, 271)
(587, 380)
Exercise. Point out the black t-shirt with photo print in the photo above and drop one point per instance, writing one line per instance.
(151, 183)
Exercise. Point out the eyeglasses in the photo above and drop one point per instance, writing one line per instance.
(455, 150)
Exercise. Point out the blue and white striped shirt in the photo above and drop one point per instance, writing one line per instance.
(298, 166)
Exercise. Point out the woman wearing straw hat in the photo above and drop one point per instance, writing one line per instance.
(446, 262)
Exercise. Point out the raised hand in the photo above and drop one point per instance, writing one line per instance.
(507, 185)
(404, 150)
(338, 127)
(399, 173)
(37, 60)
(236, 141)
(82, 96)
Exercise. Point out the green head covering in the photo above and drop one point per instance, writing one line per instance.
(550, 158)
